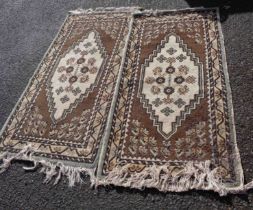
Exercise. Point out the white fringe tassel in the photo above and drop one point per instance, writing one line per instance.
(52, 170)
(193, 176)
(197, 176)
(104, 9)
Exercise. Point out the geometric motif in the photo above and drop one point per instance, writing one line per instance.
(76, 74)
(171, 84)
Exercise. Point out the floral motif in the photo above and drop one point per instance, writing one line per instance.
(84, 78)
(160, 80)
(88, 44)
(190, 79)
(70, 61)
(168, 100)
(193, 144)
(183, 90)
(59, 90)
(179, 80)
(171, 50)
(91, 61)
(35, 123)
(64, 99)
(169, 90)
(76, 91)
(171, 60)
(161, 58)
(149, 80)
(68, 89)
(170, 69)
(84, 52)
(155, 90)
(167, 111)
(157, 70)
(197, 37)
(73, 130)
(183, 69)
(181, 58)
(84, 69)
(77, 50)
(92, 51)
(179, 102)
(93, 70)
(69, 69)
(141, 143)
(73, 79)
(63, 78)
(61, 69)
(157, 102)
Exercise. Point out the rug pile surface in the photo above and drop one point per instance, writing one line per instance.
(133, 98)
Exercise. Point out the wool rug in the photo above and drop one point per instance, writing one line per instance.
(134, 98)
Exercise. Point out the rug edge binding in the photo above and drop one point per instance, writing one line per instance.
(237, 161)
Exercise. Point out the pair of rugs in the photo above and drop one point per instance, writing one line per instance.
(133, 98)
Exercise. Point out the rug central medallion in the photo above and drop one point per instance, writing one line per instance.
(76, 74)
(171, 84)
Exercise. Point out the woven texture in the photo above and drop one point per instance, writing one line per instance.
(138, 99)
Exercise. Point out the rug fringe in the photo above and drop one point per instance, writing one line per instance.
(248, 186)
(105, 9)
(198, 176)
(194, 175)
(52, 171)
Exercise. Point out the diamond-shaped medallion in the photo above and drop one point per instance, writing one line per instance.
(172, 76)
(75, 75)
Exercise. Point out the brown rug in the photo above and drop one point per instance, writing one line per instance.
(131, 98)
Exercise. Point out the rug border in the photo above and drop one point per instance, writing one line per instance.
(237, 161)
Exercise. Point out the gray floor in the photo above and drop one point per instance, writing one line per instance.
(26, 30)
